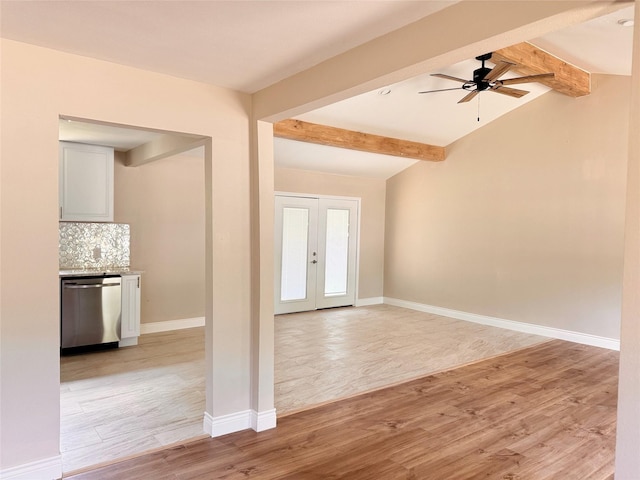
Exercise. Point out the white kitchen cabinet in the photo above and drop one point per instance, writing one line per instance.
(86, 182)
(130, 314)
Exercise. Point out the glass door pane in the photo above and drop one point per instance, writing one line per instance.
(315, 253)
(337, 252)
(295, 243)
(337, 249)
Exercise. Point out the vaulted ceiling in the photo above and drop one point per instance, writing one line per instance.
(599, 46)
(251, 44)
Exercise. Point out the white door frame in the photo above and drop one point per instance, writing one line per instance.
(335, 197)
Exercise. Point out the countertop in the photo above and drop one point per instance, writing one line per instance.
(81, 272)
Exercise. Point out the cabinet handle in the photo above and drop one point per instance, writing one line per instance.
(61, 211)
(138, 282)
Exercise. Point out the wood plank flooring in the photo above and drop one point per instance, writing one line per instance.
(541, 413)
(328, 354)
(130, 400)
(127, 401)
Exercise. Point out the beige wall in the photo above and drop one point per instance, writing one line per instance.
(163, 201)
(628, 425)
(524, 220)
(37, 86)
(372, 194)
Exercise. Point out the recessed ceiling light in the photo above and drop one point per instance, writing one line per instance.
(384, 91)
(626, 22)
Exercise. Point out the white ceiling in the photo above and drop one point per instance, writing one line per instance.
(248, 45)
(309, 156)
(434, 118)
(122, 139)
(601, 45)
(242, 45)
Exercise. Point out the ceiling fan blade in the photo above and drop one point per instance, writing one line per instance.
(500, 69)
(442, 90)
(449, 77)
(512, 92)
(527, 79)
(470, 96)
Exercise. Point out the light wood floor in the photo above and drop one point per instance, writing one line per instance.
(126, 401)
(119, 402)
(547, 412)
(328, 354)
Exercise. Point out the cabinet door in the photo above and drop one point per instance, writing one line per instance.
(86, 182)
(130, 321)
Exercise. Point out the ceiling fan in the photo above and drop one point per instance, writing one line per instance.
(488, 79)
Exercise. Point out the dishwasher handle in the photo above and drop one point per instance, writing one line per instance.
(90, 285)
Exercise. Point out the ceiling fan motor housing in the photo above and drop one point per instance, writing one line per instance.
(478, 77)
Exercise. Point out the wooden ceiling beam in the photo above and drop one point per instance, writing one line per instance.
(365, 142)
(530, 60)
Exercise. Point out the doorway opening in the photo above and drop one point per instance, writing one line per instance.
(316, 244)
(139, 398)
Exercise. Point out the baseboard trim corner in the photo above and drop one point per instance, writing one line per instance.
(128, 342)
(550, 332)
(45, 469)
(169, 325)
(224, 424)
(365, 302)
(261, 421)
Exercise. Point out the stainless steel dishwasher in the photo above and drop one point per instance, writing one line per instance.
(90, 311)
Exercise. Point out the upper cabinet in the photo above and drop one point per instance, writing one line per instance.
(86, 183)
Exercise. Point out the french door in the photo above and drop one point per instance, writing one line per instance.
(315, 253)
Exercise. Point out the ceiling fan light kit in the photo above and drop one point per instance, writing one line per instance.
(485, 78)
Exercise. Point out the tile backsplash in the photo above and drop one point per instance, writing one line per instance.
(93, 245)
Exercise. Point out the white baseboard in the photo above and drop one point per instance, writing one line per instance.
(46, 469)
(236, 422)
(207, 424)
(128, 342)
(365, 302)
(261, 421)
(169, 325)
(551, 332)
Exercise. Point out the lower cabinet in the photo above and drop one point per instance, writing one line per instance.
(130, 319)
